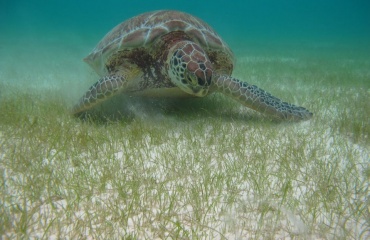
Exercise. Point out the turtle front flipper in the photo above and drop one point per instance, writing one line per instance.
(106, 87)
(258, 99)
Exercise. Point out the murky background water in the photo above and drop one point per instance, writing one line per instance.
(42, 43)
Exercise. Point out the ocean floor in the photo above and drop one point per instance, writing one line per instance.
(184, 169)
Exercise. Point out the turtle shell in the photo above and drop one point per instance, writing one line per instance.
(143, 30)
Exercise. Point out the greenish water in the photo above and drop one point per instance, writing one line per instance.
(250, 27)
(286, 19)
(200, 169)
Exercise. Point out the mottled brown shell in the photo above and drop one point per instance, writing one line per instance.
(143, 30)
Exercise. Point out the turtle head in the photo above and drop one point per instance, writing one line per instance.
(189, 68)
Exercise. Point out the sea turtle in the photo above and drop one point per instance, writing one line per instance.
(172, 54)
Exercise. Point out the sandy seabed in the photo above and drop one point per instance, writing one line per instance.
(56, 63)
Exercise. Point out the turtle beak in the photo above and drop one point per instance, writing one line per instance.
(200, 91)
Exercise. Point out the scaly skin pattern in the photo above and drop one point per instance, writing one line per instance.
(189, 68)
(99, 92)
(192, 71)
(170, 53)
(254, 97)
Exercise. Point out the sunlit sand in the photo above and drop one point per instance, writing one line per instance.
(202, 168)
